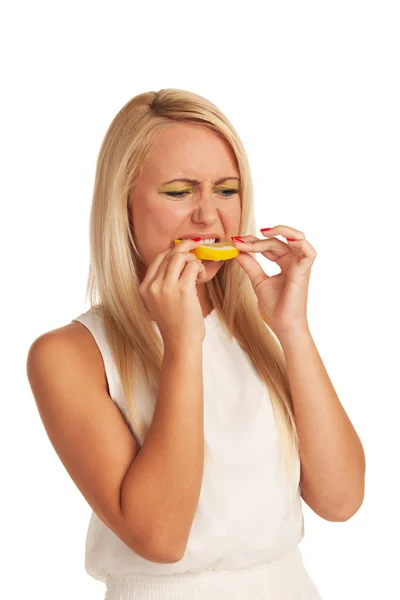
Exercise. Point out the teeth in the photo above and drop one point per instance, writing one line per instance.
(209, 241)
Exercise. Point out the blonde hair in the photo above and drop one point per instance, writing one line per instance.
(113, 281)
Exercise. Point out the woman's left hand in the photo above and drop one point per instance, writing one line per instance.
(282, 298)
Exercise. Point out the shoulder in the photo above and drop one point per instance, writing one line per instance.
(73, 334)
(65, 345)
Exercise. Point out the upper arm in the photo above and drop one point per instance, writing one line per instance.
(87, 430)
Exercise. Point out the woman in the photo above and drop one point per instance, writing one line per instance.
(175, 401)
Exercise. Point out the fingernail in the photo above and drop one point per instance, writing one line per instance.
(290, 239)
(237, 238)
(266, 229)
(196, 239)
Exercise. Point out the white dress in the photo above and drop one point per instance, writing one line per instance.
(244, 539)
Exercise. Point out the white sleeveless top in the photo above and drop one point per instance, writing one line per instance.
(242, 518)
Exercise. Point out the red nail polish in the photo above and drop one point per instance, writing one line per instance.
(266, 229)
(290, 239)
(197, 239)
(237, 238)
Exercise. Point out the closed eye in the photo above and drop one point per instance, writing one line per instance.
(179, 194)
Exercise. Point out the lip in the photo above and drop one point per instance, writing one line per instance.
(202, 236)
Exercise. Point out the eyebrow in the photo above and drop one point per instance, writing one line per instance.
(195, 182)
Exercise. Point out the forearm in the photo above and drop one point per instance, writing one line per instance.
(333, 470)
(161, 491)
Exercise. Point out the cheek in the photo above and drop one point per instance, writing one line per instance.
(148, 246)
(212, 264)
(152, 235)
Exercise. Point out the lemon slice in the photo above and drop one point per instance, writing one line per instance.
(215, 251)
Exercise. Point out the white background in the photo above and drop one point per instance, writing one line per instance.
(313, 90)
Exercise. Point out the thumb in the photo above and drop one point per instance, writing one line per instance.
(252, 267)
(246, 261)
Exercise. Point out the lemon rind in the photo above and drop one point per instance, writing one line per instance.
(204, 252)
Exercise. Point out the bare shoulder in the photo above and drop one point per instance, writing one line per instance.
(87, 430)
(74, 337)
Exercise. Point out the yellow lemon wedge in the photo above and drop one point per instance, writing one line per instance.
(215, 251)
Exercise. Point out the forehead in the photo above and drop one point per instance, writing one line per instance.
(189, 150)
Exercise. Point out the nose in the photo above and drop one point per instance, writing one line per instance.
(205, 199)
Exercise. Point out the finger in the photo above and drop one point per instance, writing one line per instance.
(303, 248)
(283, 230)
(253, 244)
(173, 261)
(175, 267)
(191, 274)
(152, 269)
(248, 240)
(252, 268)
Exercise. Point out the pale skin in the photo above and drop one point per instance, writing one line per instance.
(333, 460)
(186, 151)
(333, 477)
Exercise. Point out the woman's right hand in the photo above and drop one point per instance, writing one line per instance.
(169, 291)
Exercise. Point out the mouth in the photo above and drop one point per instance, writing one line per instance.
(203, 242)
(206, 242)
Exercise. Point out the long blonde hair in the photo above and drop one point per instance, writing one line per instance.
(113, 279)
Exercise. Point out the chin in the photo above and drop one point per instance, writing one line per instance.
(212, 263)
(212, 267)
